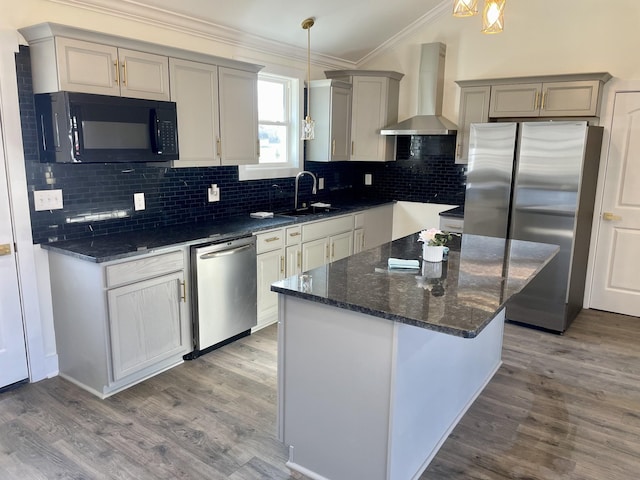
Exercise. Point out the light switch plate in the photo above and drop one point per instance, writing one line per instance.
(368, 179)
(321, 183)
(47, 199)
(138, 201)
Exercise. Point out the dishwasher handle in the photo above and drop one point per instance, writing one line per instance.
(223, 253)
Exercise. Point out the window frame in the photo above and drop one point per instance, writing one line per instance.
(294, 79)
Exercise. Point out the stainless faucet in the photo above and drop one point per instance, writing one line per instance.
(313, 191)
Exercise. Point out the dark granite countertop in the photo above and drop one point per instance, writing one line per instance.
(458, 297)
(104, 248)
(457, 212)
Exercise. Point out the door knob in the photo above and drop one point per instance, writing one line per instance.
(610, 216)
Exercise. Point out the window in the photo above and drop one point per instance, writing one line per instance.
(279, 113)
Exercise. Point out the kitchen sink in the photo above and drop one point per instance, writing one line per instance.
(302, 212)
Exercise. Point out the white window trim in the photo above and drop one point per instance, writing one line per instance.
(296, 151)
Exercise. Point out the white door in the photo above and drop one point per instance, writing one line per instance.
(616, 283)
(13, 355)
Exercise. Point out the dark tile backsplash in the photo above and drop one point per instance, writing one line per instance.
(98, 198)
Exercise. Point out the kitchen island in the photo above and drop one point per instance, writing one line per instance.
(377, 366)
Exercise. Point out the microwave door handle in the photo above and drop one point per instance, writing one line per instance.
(156, 137)
(56, 142)
(77, 141)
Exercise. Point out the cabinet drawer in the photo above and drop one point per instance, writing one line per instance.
(273, 240)
(326, 228)
(451, 224)
(144, 268)
(293, 235)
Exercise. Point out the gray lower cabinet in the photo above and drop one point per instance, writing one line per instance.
(121, 322)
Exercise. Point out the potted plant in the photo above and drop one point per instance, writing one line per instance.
(434, 241)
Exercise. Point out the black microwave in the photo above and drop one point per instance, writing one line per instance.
(87, 128)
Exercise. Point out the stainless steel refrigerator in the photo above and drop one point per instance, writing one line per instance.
(536, 181)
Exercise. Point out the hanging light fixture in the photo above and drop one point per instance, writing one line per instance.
(493, 16)
(492, 13)
(308, 124)
(465, 8)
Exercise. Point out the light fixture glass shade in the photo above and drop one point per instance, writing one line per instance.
(465, 8)
(493, 16)
(308, 127)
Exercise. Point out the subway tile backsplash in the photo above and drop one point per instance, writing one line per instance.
(98, 198)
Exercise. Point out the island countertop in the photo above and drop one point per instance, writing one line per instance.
(459, 296)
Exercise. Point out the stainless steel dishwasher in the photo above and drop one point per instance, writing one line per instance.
(224, 293)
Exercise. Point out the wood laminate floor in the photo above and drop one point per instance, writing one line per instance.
(560, 407)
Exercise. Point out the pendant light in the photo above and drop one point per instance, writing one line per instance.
(493, 16)
(308, 124)
(492, 13)
(465, 8)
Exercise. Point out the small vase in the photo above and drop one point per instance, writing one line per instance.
(432, 253)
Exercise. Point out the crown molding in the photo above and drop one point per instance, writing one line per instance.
(431, 16)
(158, 17)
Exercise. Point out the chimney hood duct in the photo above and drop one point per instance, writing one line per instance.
(429, 120)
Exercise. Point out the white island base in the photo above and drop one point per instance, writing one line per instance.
(367, 397)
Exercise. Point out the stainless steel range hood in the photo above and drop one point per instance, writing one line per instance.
(429, 120)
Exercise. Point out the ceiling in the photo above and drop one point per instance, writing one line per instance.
(344, 31)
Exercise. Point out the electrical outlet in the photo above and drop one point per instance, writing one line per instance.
(368, 179)
(213, 193)
(321, 183)
(47, 199)
(138, 201)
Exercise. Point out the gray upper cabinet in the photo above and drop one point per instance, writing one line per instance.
(217, 98)
(553, 99)
(217, 114)
(330, 108)
(551, 96)
(238, 100)
(374, 105)
(474, 108)
(79, 66)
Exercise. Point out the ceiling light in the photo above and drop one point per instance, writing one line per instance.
(492, 13)
(307, 123)
(465, 8)
(493, 16)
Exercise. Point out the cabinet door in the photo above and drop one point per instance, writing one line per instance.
(194, 88)
(315, 253)
(562, 99)
(378, 224)
(369, 112)
(147, 323)
(143, 75)
(474, 108)
(340, 123)
(270, 268)
(238, 100)
(87, 67)
(358, 240)
(294, 260)
(519, 100)
(341, 246)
